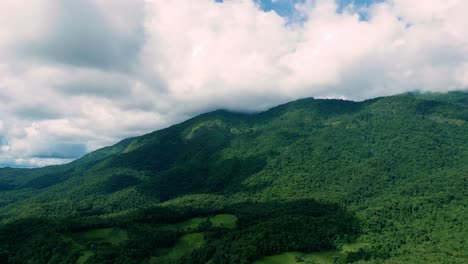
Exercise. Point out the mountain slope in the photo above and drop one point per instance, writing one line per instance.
(399, 163)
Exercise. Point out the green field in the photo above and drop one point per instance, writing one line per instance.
(224, 220)
(353, 247)
(326, 257)
(84, 257)
(186, 226)
(184, 246)
(221, 220)
(189, 242)
(111, 235)
(315, 258)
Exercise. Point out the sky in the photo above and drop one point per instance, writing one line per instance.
(76, 76)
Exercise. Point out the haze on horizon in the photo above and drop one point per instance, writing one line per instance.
(79, 75)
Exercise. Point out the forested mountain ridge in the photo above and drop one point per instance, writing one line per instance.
(394, 168)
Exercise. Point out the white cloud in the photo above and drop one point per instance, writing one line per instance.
(78, 76)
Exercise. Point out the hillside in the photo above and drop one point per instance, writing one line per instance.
(314, 175)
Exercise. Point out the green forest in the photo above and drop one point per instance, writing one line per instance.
(311, 181)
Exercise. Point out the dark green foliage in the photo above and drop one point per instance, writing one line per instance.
(4, 186)
(46, 180)
(206, 177)
(361, 254)
(263, 229)
(33, 240)
(142, 244)
(118, 182)
(271, 228)
(399, 163)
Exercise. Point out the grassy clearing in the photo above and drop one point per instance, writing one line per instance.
(285, 258)
(189, 242)
(224, 220)
(221, 220)
(186, 226)
(76, 247)
(189, 225)
(111, 235)
(85, 255)
(326, 257)
(353, 247)
(183, 247)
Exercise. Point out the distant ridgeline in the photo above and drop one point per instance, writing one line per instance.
(311, 181)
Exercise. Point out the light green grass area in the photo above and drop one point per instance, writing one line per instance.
(85, 255)
(190, 242)
(325, 257)
(111, 235)
(285, 258)
(76, 247)
(224, 220)
(184, 246)
(190, 224)
(353, 247)
(76, 240)
(186, 226)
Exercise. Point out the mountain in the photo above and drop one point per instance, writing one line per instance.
(382, 180)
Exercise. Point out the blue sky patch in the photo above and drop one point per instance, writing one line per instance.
(285, 8)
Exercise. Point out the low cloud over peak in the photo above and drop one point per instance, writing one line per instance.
(79, 75)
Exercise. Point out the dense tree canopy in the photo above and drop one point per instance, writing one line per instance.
(310, 175)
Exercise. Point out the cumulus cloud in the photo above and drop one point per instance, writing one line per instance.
(79, 75)
(88, 33)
